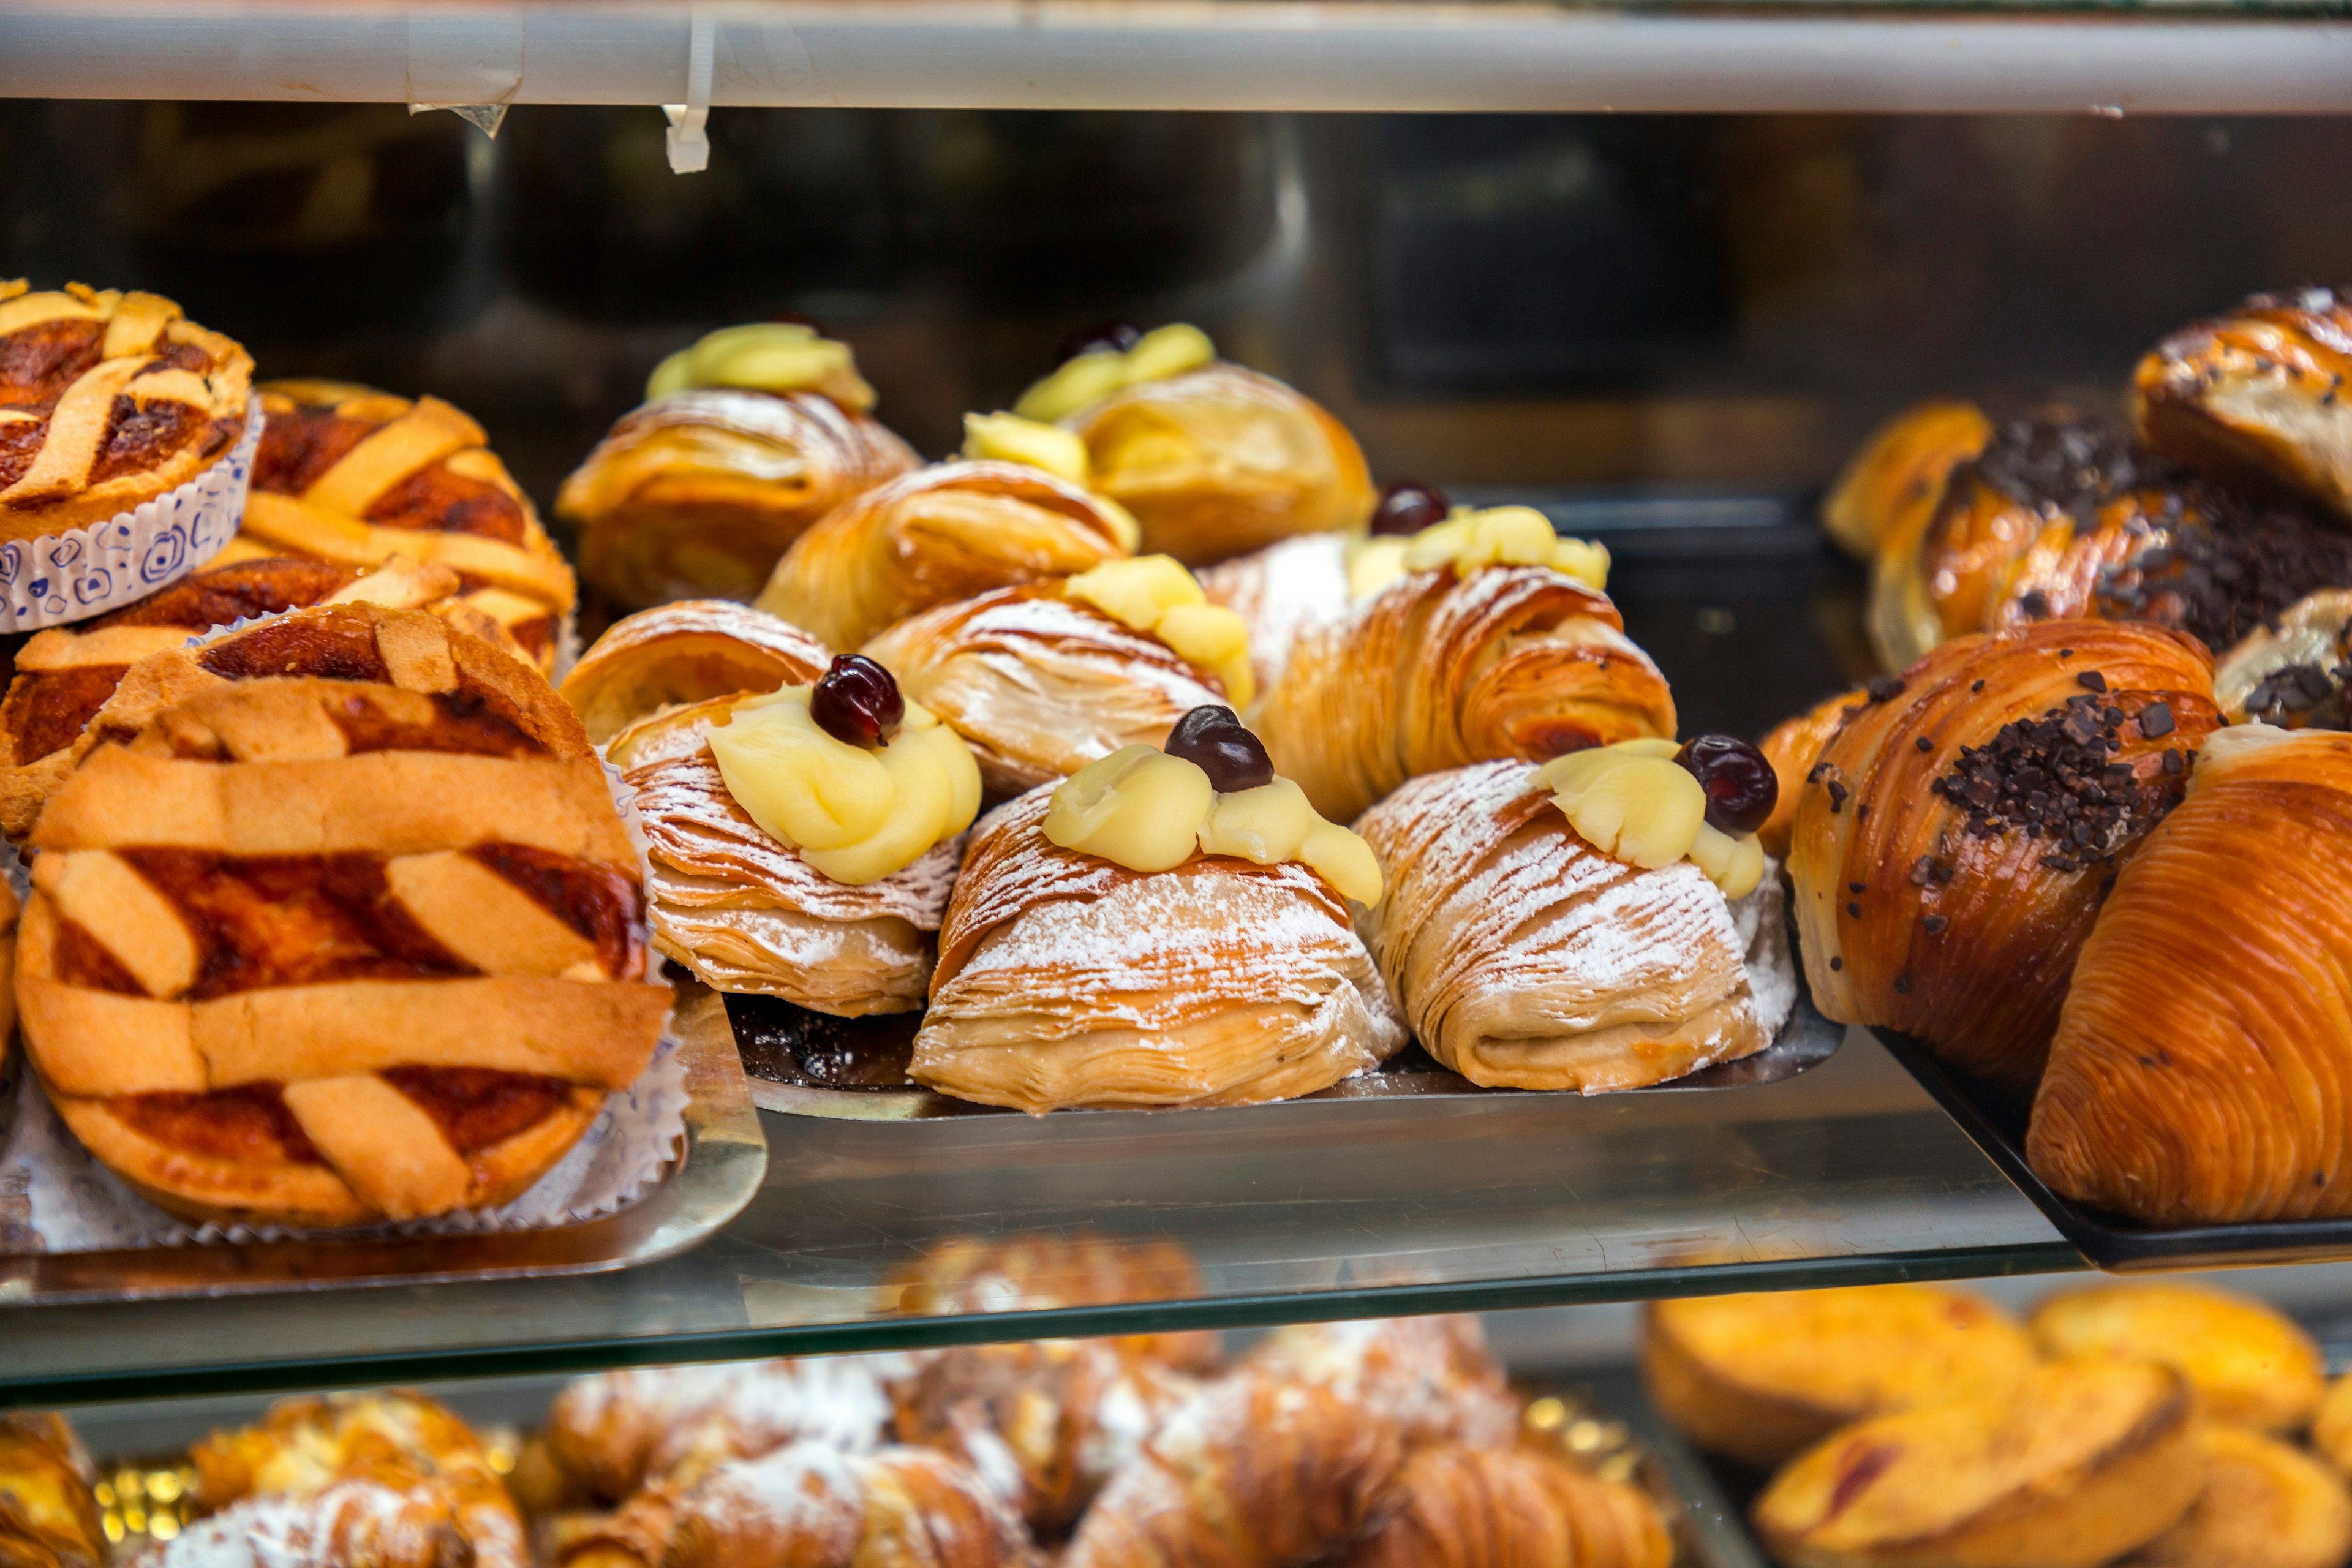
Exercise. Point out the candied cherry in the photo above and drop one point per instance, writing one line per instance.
(858, 701)
(1105, 338)
(1741, 787)
(1212, 739)
(1407, 507)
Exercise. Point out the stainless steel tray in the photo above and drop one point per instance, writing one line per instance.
(807, 1063)
(709, 1184)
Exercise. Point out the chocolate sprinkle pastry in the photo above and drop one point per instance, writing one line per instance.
(2222, 567)
(2050, 778)
(2302, 696)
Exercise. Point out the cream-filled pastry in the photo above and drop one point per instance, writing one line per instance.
(1010, 438)
(1602, 921)
(1167, 928)
(1156, 595)
(801, 842)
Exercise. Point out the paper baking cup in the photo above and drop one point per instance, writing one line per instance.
(55, 578)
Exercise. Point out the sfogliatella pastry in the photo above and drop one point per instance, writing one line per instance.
(1063, 1268)
(304, 1447)
(1452, 1506)
(2213, 1002)
(1957, 835)
(65, 675)
(1434, 1378)
(2083, 1461)
(1047, 678)
(48, 1518)
(2250, 1363)
(685, 652)
(1164, 928)
(1494, 643)
(1212, 459)
(357, 477)
(1759, 1377)
(357, 1523)
(744, 440)
(1597, 922)
(2254, 396)
(801, 842)
(1889, 488)
(2264, 1505)
(937, 535)
(349, 931)
(107, 400)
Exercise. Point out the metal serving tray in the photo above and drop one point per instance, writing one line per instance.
(810, 1064)
(709, 1183)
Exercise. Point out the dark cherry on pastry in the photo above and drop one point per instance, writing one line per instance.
(856, 702)
(1406, 506)
(1213, 739)
(1741, 787)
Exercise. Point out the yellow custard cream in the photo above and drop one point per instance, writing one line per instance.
(1155, 594)
(856, 815)
(1147, 811)
(1469, 540)
(1009, 439)
(1634, 801)
(1081, 382)
(766, 356)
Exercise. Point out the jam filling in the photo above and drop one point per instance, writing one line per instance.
(477, 1106)
(138, 438)
(299, 443)
(46, 709)
(471, 721)
(436, 500)
(20, 443)
(597, 900)
(37, 364)
(223, 595)
(330, 648)
(251, 1125)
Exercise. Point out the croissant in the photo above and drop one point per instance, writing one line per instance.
(1282, 591)
(1222, 461)
(2190, 1081)
(685, 652)
(1065, 979)
(1502, 1508)
(1956, 835)
(1257, 1471)
(697, 494)
(355, 1523)
(810, 1506)
(1433, 1378)
(1039, 684)
(2252, 396)
(1792, 748)
(48, 1518)
(2263, 1504)
(1523, 957)
(1439, 670)
(1062, 1268)
(937, 535)
(1882, 500)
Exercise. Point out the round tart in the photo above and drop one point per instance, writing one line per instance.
(349, 929)
(353, 475)
(107, 400)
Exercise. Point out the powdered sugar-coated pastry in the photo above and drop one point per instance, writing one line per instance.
(1432, 1378)
(937, 535)
(793, 855)
(686, 652)
(354, 1523)
(1525, 955)
(1282, 591)
(1165, 928)
(1031, 1273)
(1045, 678)
(1495, 642)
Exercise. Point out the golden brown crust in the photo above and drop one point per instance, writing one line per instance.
(2252, 1364)
(1926, 912)
(1066, 1268)
(1792, 748)
(48, 1518)
(2264, 1505)
(1222, 460)
(2254, 396)
(685, 652)
(1438, 671)
(950, 532)
(699, 494)
(1500, 1507)
(2229, 945)
(1889, 489)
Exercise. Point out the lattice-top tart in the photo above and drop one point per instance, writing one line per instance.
(355, 476)
(106, 401)
(349, 929)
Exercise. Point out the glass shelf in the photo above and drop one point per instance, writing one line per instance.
(1847, 1173)
(2122, 55)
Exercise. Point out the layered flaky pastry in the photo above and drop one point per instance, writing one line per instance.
(1041, 684)
(1066, 980)
(746, 912)
(2194, 1077)
(2255, 396)
(1439, 669)
(1455, 1507)
(942, 534)
(1222, 461)
(1283, 592)
(685, 652)
(357, 477)
(349, 928)
(1524, 958)
(1954, 837)
(697, 494)
(1882, 500)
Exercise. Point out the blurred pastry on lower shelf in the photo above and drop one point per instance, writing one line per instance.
(2081, 1461)
(49, 1516)
(1433, 1377)
(357, 1523)
(1455, 1507)
(2264, 1505)
(1759, 1377)
(1067, 1266)
(685, 652)
(2214, 992)
(2252, 1364)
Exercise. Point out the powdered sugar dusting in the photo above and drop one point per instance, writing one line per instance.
(1286, 589)
(352, 1524)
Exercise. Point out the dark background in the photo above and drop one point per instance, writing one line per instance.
(1587, 310)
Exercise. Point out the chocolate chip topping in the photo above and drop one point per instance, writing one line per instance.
(2155, 720)
(1884, 687)
(2303, 696)
(2092, 680)
(2217, 567)
(2052, 778)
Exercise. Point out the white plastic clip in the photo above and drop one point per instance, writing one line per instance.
(690, 140)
